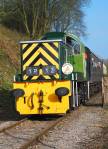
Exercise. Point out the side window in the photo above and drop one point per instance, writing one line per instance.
(77, 48)
(73, 45)
(68, 41)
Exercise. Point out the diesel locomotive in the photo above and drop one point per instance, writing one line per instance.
(58, 73)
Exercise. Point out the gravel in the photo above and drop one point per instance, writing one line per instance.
(16, 137)
(86, 128)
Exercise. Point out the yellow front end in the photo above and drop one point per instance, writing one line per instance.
(40, 97)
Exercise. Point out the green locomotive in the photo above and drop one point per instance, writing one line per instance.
(58, 73)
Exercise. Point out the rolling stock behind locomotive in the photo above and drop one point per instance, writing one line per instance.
(58, 73)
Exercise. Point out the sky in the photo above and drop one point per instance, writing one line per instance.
(96, 20)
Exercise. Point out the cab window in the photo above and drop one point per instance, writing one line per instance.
(73, 45)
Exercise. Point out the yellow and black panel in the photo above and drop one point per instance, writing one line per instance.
(40, 98)
(40, 54)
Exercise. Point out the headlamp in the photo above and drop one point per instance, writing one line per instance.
(49, 70)
(32, 71)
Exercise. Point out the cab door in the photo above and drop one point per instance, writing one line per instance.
(75, 55)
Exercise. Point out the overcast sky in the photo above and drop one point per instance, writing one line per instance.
(97, 27)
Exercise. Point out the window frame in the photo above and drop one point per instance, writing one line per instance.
(72, 47)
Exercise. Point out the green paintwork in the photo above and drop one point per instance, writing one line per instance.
(54, 35)
(77, 62)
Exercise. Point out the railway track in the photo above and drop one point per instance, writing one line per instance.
(35, 139)
(24, 133)
(10, 126)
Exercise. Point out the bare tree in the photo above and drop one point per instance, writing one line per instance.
(36, 17)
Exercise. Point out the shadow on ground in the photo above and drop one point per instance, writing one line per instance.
(7, 106)
(95, 101)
